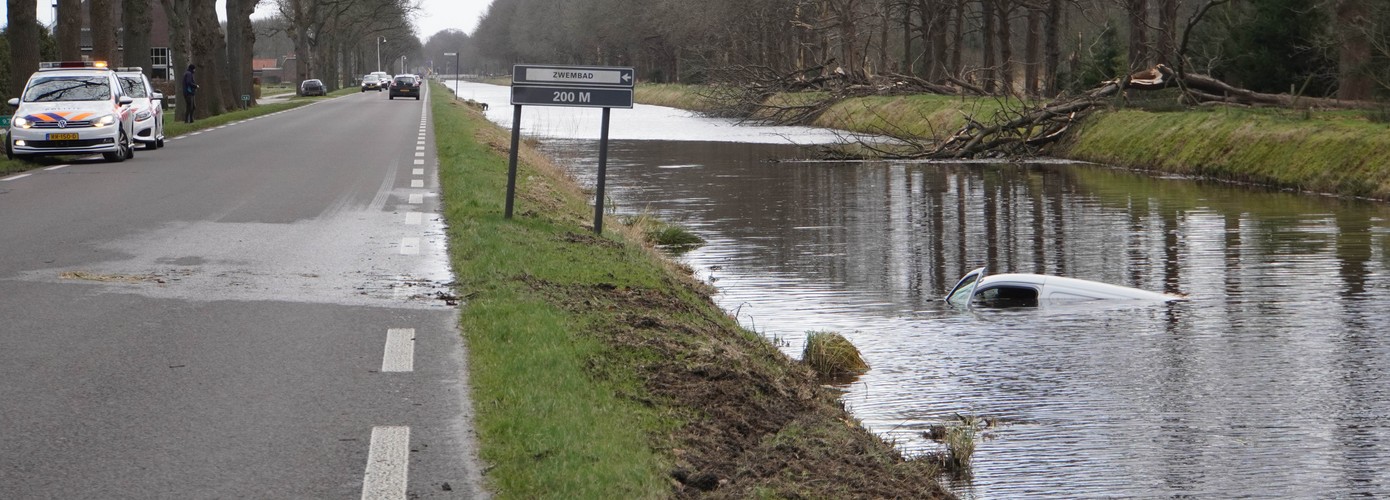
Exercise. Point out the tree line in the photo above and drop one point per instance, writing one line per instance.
(1323, 48)
(332, 40)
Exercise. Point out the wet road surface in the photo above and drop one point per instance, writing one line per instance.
(257, 310)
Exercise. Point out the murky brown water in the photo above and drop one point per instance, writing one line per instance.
(1272, 381)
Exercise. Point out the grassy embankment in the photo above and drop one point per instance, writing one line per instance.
(1340, 153)
(602, 370)
(172, 128)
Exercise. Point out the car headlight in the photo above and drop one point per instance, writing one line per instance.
(143, 115)
(22, 122)
(104, 121)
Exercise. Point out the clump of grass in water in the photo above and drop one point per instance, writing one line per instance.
(665, 235)
(959, 439)
(831, 355)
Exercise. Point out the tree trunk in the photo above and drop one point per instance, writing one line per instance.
(102, 17)
(958, 37)
(1052, 46)
(203, 40)
(1138, 34)
(1032, 57)
(69, 30)
(135, 16)
(179, 54)
(987, 61)
(241, 39)
(1355, 52)
(23, 31)
(1167, 32)
(1004, 30)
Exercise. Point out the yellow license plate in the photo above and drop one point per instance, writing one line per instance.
(62, 137)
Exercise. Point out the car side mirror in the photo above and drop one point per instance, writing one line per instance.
(125, 100)
(14, 102)
(157, 95)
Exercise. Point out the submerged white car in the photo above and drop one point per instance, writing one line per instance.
(978, 289)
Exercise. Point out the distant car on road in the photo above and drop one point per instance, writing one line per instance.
(148, 105)
(312, 86)
(405, 86)
(372, 82)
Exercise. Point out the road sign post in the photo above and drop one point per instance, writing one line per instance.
(456, 72)
(575, 86)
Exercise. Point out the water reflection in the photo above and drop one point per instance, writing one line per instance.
(1269, 382)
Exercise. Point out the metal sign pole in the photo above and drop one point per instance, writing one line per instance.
(602, 173)
(511, 161)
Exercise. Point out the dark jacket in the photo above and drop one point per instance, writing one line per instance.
(190, 86)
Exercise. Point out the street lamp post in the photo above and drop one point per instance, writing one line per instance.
(379, 41)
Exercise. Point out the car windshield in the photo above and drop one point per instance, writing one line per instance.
(68, 88)
(405, 81)
(369, 78)
(133, 86)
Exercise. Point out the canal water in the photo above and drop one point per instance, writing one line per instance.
(1272, 381)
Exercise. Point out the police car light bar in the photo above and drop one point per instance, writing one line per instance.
(71, 64)
(130, 69)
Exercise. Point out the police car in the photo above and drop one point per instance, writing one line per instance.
(149, 106)
(72, 108)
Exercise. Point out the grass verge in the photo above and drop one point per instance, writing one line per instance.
(602, 370)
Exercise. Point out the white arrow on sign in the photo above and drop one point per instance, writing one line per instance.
(578, 75)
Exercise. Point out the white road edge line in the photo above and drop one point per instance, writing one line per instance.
(400, 350)
(15, 177)
(388, 461)
(56, 167)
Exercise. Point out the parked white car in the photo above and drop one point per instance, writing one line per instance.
(149, 106)
(75, 107)
(978, 289)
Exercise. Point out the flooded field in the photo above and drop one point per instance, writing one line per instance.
(1271, 381)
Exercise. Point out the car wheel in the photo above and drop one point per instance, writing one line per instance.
(417, 97)
(123, 151)
(159, 143)
(391, 97)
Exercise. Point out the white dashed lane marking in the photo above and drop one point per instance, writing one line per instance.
(416, 199)
(417, 183)
(417, 171)
(15, 177)
(400, 350)
(410, 246)
(414, 218)
(387, 464)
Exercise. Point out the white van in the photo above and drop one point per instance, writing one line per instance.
(72, 108)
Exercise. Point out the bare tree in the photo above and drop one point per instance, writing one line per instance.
(1138, 11)
(241, 39)
(1355, 50)
(135, 19)
(205, 41)
(180, 53)
(23, 31)
(69, 30)
(102, 20)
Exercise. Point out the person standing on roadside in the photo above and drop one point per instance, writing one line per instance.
(190, 87)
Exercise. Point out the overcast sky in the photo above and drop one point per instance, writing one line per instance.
(434, 16)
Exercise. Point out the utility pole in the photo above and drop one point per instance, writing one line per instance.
(379, 40)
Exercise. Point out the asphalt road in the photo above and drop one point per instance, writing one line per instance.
(256, 311)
